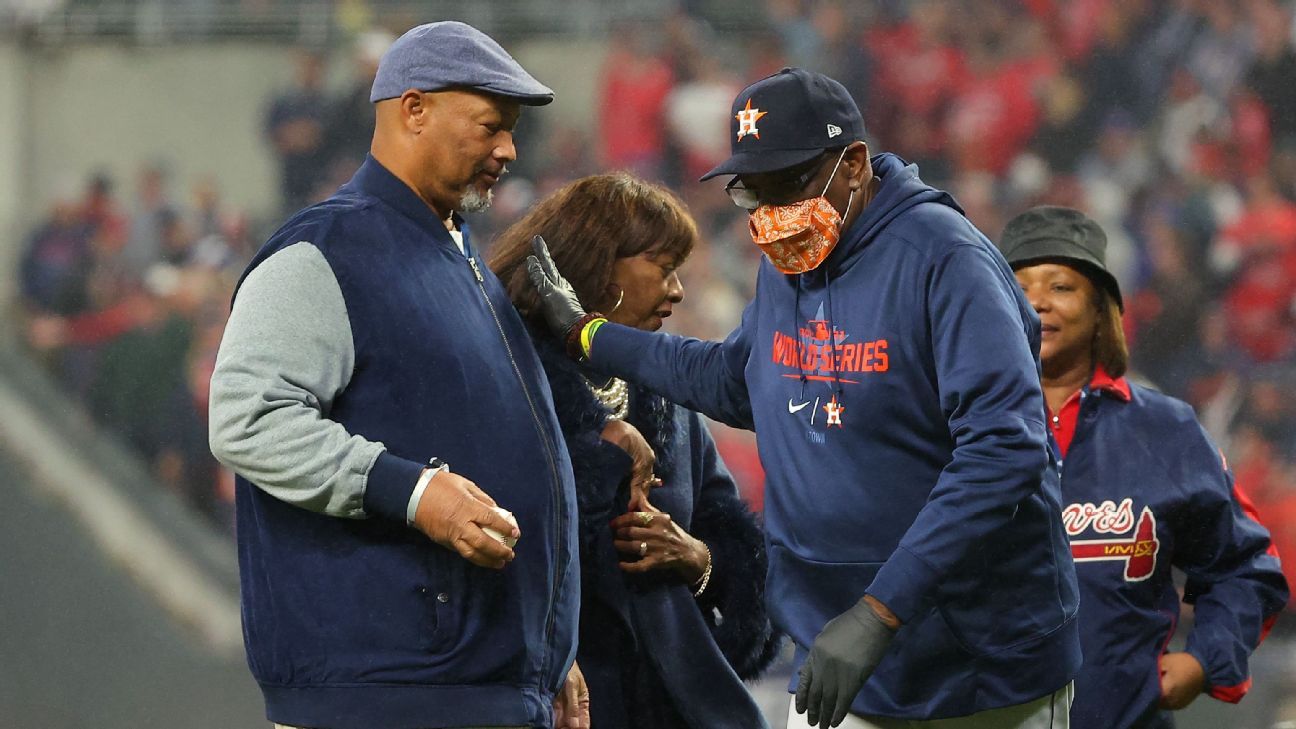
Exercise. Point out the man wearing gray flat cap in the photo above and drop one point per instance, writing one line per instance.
(405, 503)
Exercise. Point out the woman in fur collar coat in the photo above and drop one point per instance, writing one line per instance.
(672, 562)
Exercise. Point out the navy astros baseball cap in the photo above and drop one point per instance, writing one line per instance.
(450, 54)
(1054, 234)
(786, 119)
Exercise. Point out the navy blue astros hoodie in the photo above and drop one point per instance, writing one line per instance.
(895, 396)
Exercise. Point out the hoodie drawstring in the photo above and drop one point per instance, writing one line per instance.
(831, 353)
(800, 348)
(832, 342)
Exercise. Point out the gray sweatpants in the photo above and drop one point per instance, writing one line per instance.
(285, 726)
(1048, 712)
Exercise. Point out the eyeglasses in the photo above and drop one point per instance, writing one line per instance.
(749, 198)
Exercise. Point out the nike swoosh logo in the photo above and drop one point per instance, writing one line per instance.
(794, 408)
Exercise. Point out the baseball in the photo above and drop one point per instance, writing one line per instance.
(508, 541)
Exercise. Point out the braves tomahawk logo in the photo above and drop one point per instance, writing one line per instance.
(1138, 550)
(747, 118)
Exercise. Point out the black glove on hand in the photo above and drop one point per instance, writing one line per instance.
(562, 310)
(842, 658)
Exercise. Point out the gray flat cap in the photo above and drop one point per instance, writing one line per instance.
(451, 54)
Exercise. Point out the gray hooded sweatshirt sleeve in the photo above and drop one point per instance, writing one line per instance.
(287, 352)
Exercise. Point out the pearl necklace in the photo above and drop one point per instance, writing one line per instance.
(615, 396)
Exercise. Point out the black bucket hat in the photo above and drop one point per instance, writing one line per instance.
(1053, 234)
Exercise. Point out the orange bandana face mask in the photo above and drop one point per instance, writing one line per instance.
(798, 237)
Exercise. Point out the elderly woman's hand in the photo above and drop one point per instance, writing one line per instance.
(1182, 680)
(651, 540)
(629, 439)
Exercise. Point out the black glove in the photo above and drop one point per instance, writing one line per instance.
(842, 658)
(562, 310)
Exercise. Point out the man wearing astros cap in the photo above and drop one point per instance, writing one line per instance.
(889, 366)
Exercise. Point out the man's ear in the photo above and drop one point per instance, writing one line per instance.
(414, 107)
(857, 164)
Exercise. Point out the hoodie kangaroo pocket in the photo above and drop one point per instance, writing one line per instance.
(809, 593)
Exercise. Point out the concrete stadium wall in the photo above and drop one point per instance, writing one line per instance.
(12, 162)
(572, 69)
(67, 112)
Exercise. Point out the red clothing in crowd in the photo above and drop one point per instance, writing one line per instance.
(915, 72)
(1251, 132)
(1258, 304)
(1074, 24)
(1258, 474)
(995, 114)
(631, 126)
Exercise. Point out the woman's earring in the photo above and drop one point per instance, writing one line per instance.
(620, 298)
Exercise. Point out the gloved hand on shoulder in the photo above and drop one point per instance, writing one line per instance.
(563, 311)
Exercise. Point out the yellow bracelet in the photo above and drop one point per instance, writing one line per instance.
(706, 574)
(587, 335)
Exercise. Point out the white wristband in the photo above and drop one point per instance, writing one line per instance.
(420, 486)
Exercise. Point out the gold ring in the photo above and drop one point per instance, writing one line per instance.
(643, 548)
(644, 517)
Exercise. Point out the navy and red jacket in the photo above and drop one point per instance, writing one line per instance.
(1146, 490)
(895, 396)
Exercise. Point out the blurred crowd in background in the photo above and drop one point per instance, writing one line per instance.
(1172, 122)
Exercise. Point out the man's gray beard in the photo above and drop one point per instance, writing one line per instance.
(474, 201)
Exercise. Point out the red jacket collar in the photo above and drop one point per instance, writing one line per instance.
(1103, 381)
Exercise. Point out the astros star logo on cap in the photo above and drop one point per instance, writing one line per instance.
(747, 118)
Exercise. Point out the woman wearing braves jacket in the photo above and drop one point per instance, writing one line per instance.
(1144, 490)
(656, 570)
